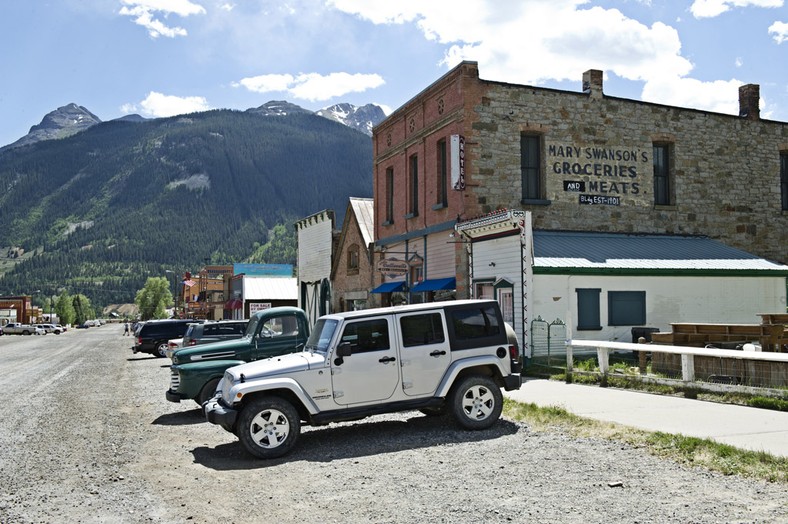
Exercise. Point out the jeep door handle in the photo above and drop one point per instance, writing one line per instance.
(386, 360)
(437, 353)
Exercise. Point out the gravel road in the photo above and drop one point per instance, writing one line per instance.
(88, 436)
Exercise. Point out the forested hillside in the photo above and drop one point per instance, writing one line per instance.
(106, 208)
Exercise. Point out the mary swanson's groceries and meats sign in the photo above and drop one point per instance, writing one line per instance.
(604, 174)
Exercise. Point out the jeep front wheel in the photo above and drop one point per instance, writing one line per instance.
(476, 402)
(268, 427)
(207, 392)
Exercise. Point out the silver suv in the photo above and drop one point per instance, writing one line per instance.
(439, 358)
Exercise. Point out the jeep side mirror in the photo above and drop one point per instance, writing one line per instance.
(344, 349)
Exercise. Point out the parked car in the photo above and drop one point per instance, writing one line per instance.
(214, 332)
(152, 336)
(196, 370)
(173, 345)
(16, 328)
(440, 358)
(50, 328)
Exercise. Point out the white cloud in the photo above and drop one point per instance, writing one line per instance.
(556, 40)
(144, 13)
(721, 96)
(780, 31)
(128, 108)
(712, 8)
(160, 105)
(312, 86)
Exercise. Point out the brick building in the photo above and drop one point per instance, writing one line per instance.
(351, 271)
(578, 161)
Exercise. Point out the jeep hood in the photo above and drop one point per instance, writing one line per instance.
(282, 364)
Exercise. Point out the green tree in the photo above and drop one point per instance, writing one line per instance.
(154, 298)
(65, 309)
(82, 309)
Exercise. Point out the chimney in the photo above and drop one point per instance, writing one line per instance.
(749, 101)
(592, 83)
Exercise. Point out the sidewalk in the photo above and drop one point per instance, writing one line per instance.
(743, 427)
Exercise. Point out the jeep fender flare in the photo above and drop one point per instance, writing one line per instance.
(458, 367)
(272, 385)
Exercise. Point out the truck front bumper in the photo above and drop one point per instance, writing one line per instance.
(174, 396)
(218, 413)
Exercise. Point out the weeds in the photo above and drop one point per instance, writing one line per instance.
(693, 451)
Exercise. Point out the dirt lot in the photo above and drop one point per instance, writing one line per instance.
(87, 436)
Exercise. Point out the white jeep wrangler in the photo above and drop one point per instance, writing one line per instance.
(442, 357)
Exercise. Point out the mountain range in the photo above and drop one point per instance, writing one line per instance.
(72, 118)
(97, 207)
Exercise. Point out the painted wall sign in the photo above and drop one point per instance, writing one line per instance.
(596, 200)
(577, 186)
(457, 162)
(614, 171)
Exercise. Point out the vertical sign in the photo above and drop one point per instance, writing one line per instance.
(457, 162)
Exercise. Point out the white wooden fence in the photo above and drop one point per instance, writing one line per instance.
(688, 354)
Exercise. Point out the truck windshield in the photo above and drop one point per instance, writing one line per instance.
(251, 327)
(321, 335)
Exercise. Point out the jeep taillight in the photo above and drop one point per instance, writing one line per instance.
(513, 353)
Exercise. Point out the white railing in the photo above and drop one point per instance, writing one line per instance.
(688, 354)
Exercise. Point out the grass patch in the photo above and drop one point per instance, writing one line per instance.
(692, 451)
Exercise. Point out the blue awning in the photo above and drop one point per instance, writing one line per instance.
(389, 287)
(435, 285)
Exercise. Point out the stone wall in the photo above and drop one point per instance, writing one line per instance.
(726, 169)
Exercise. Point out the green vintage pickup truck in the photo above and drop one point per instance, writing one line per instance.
(196, 371)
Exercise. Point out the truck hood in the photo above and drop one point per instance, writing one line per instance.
(289, 363)
(225, 349)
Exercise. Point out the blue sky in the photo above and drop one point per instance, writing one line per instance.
(166, 57)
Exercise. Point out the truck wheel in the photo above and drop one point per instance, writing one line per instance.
(25, 332)
(268, 427)
(207, 391)
(476, 402)
(161, 349)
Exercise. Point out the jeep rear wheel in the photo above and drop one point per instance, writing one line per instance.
(476, 402)
(268, 427)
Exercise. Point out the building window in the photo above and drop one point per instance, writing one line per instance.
(530, 167)
(352, 260)
(443, 176)
(483, 290)
(588, 309)
(389, 196)
(626, 308)
(784, 179)
(413, 193)
(662, 179)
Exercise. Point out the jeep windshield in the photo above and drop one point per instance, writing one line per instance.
(321, 336)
